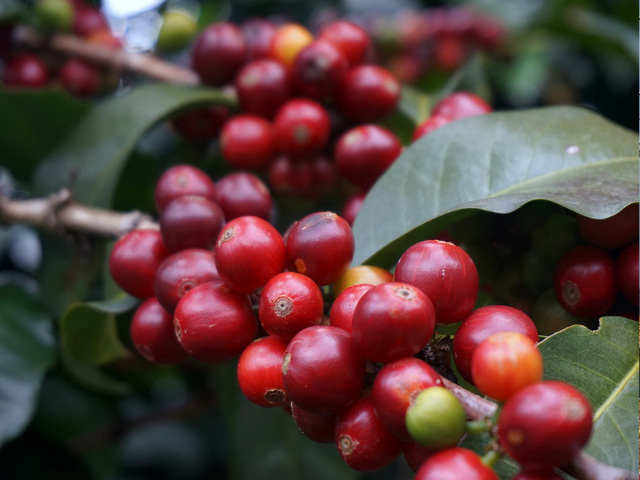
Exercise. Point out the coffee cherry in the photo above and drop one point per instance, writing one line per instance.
(395, 387)
(480, 325)
(258, 33)
(134, 260)
(429, 125)
(461, 105)
(318, 69)
(545, 424)
(249, 252)
(445, 273)
(80, 78)
(291, 177)
(191, 222)
(505, 363)
(153, 334)
(54, 15)
(263, 87)
(616, 231)
(181, 180)
(290, 302)
(416, 454)
(260, 372)
(105, 38)
(203, 124)
(351, 39)
(319, 427)
(363, 441)
(25, 70)
(341, 314)
(218, 53)
(177, 30)
(243, 193)
(455, 464)
(352, 206)
(301, 128)
(537, 474)
(286, 43)
(247, 142)
(181, 272)
(323, 369)
(391, 321)
(368, 93)
(585, 281)
(626, 269)
(88, 19)
(362, 274)
(320, 246)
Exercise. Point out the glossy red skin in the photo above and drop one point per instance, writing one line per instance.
(445, 273)
(455, 464)
(368, 93)
(323, 369)
(616, 231)
(364, 153)
(290, 302)
(319, 427)
(259, 372)
(88, 19)
(363, 441)
(301, 127)
(627, 273)
(585, 281)
(341, 313)
(352, 206)
(258, 33)
(461, 105)
(537, 474)
(321, 247)
(545, 424)
(289, 177)
(429, 125)
(191, 222)
(249, 252)
(134, 260)
(203, 124)
(247, 142)
(351, 39)
(263, 87)
(80, 78)
(181, 180)
(243, 193)
(182, 271)
(318, 69)
(218, 53)
(25, 70)
(153, 334)
(391, 321)
(396, 385)
(480, 325)
(416, 454)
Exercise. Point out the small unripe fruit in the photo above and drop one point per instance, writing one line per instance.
(177, 30)
(56, 15)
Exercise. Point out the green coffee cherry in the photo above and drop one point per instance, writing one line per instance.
(176, 32)
(54, 15)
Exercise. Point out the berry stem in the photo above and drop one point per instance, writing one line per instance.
(491, 457)
(476, 427)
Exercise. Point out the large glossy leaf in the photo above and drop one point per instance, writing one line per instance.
(93, 155)
(603, 364)
(497, 162)
(26, 352)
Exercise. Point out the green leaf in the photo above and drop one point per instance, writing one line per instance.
(26, 352)
(89, 332)
(497, 162)
(603, 365)
(95, 152)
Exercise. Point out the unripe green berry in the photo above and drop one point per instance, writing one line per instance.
(177, 31)
(436, 418)
(55, 15)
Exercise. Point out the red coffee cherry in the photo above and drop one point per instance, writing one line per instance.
(545, 424)
(616, 231)
(449, 52)
(301, 127)
(182, 271)
(627, 273)
(260, 372)
(191, 222)
(263, 87)
(105, 38)
(429, 125)
(363, 441)
(258, 33)
(323, 369)
(290, 302)
(455, 464)
(25, 70)
(351, 39)
(80, 78)
(318, 69)
(368, 93)
(394, 388)
(291, 177)
(249, 252)
(537, 474)
(480, 325)
(286, 43)
(416, 454)
(247, 142)
(320, 246)
(352, 206)
(181, 180)
(391, 321)
(153, 334)
(203, 124)
(134, 260)
(319, 427)
(460, 105)
(364, 153)
(341, 314)
(505, 363)
(218, 53)
(445, 273)
(243, 193)
(88, 19)
(585, 281)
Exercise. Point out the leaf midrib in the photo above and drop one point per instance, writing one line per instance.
(614, 394)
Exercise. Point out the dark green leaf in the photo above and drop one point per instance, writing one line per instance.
(94, 154)
(26, 352)
(604, 366)
(497, 162)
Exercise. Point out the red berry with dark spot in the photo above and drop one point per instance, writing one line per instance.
(25, 70)
(243, 193)
(319, 427)
(301, 127)
(263, 87)
(181, 180)
(218, 53)
(616, 231)
(341, 314)
(318, 69)
(351, 39)
(460, 105)
(191, 222)
(203, 124)
(247, 142)
(80, 78)
(260, 372)
(627, 273)
(429, 125)
(368, 93)
(455, 464)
